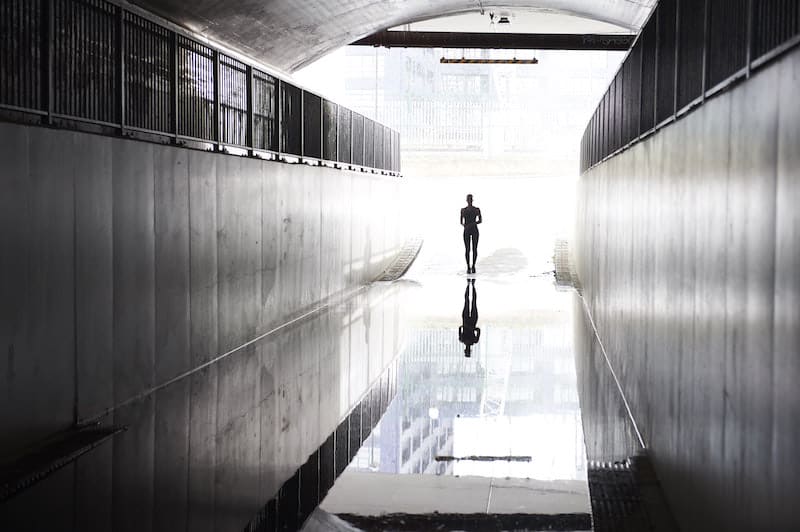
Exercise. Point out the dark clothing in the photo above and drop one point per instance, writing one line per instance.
(469, 334)
(473, 236)
(471, 217)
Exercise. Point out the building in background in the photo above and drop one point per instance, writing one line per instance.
(468, 119)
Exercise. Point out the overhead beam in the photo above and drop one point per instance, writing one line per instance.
(508, 41)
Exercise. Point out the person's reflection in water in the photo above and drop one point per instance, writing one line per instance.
(469, 333)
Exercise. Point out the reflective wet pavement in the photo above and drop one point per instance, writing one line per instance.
(486, 418)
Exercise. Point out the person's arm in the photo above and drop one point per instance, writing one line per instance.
(477, 334)
(460, 333)
(461, 217)
(479, 218)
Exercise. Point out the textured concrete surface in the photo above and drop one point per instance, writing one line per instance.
(363, 493)
(290, 34)
(126, 264)
(688, 252)
(207, 451)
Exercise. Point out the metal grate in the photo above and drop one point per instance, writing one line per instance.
(774, 23)
(233, 101)
(369, 144)
(312, 125)
(83, 59)
(148, 75)
(358, 139)
(330, 113)
(343, 144)
(97, 64)
(195, 90)
(378, 143)
(665, 77)
(648, 89)
(687, 51)
(291, 119)
(20, 58)
(726, 53)
(691, 36)
(265, 111)
(387, 148)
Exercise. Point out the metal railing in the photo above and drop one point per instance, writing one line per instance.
(89, 64)
(687, 51)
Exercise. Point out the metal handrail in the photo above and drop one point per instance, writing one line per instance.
(81, 63)
(708, 46)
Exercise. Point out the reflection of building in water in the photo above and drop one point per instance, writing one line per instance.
(516, 375)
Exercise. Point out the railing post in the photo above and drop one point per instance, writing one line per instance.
(250, 132)
(215, 130)
(120, 72)
(47, 59)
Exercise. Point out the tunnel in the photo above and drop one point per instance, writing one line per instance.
(232, 300)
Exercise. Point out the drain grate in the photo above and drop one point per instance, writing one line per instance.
(405, 258)
(626, 497)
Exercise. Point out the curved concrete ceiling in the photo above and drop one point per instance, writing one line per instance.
(289, 34)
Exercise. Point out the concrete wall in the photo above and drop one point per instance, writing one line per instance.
(689, 253)
(206, 452)
(124, 264)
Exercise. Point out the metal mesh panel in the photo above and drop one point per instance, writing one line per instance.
(312, 125)
(727, 39)
(232, 101)
(619, 110)
(195, 89)
(648, 41)
(358, 139)
(665, 89)
(344, 135)
(148, 75)
(631, 92)
(83, 59)
(265, 112)
(369, 142)
(774, 23)
(95, 61)
(398, 161)
(387, 148)
(291, 127)
(20, 54)
(691, 36)
(329, 125)
(378, 143)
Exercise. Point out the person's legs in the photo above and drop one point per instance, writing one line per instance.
(466, 247)
(475, 237)
(465, 311)
(474, 309)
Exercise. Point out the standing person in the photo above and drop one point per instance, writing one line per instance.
(469, 333)
(470, 218)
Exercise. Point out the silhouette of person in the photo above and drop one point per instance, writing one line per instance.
(470, 218)
(468, 333)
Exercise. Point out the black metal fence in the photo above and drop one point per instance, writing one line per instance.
(92, 63)
(687, 51)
